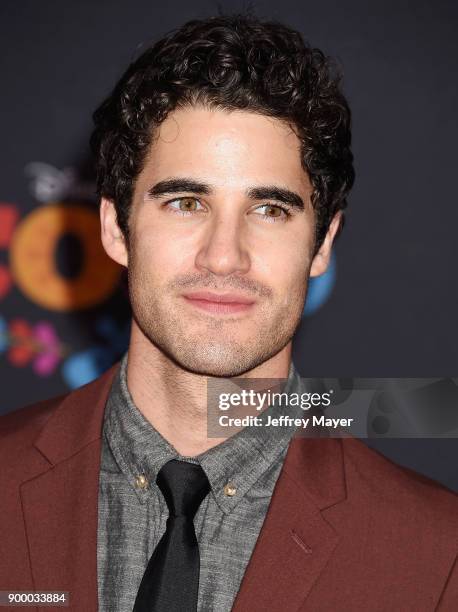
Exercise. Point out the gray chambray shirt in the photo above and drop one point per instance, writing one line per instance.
(132, 518)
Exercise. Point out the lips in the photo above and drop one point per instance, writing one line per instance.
(224, 298)
(226, 303)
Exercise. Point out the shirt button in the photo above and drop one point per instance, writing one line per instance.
(141, 481)
(230, 489)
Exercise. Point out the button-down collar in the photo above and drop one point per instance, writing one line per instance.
(232, 466)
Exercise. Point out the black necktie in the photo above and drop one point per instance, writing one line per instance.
(171, 579)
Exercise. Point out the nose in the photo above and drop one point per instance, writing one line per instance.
(222, 251)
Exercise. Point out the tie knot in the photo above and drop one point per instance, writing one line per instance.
(184, 486)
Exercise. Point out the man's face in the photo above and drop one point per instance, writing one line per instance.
(221, 240)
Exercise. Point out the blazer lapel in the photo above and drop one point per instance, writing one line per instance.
(296, 541)
(60, 503)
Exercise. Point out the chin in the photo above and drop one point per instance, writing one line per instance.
(212, 370)
(220, 366)
(223, 356)
(221, 361)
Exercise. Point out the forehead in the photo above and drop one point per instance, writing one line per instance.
(227, 147)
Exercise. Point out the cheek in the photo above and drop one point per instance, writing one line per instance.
(284, 266)
(158, 252)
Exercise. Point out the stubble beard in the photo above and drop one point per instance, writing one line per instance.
(211, 346)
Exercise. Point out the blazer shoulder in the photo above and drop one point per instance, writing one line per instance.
(396, 484)
(20, 427)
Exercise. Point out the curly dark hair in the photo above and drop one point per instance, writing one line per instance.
(229, 62)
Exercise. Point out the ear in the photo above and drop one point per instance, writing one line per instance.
(112, 237)
(321, 260)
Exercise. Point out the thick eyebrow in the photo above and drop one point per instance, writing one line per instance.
(271, 192)
(178, 185)
(189, 185)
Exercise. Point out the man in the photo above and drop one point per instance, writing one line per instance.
(224, 162)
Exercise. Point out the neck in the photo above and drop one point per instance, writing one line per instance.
(174, 400)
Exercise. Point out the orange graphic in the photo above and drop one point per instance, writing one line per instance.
(33, 258)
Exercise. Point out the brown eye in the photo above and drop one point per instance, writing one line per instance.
(185, 205)
(273, 211)
(188, 204)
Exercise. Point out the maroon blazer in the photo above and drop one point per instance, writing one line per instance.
(346, 529)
